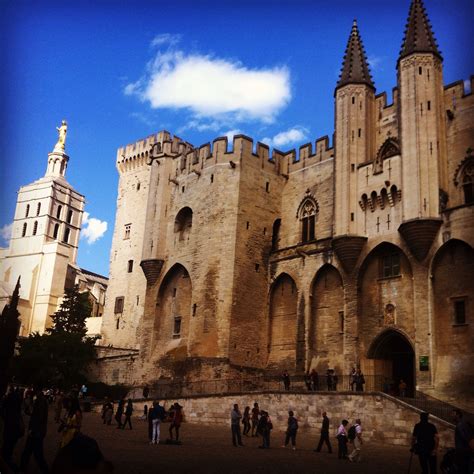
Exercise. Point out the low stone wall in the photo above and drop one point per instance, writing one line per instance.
(384, 418)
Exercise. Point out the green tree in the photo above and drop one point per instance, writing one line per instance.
(59, 357)
(72, 314)
(9, 326)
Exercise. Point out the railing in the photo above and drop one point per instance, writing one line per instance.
(298, 384)
(434, 406)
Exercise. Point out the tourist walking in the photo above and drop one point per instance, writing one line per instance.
(356, 441)
(255, 418)
(291, 430)
(108, 412)
(264, 428)
(352, 379)
(342, 440)
(235, 417)
(329, 379)
(359, 381)
(286, 380)
(425, 444)
(155, 417)
(119, 413)
(324, 438)
(72, 423)
(463, 444)
(315, 380)
(128, 414)
(402, 388)
(176, 421)
(58, 406)
(37, 428)
(246, 421)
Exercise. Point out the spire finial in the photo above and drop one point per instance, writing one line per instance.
(355, 68)
(419, 37)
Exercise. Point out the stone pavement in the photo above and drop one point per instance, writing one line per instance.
(208, 449)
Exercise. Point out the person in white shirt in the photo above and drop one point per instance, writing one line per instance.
(342, 440)
(357, 442)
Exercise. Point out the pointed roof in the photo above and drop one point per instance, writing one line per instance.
(355, 68)
(419, 37)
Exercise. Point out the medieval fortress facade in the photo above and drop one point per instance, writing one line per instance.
(229, 258)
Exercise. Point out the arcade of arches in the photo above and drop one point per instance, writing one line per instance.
(387, 332)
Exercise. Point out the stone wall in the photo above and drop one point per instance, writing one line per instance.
(384, 418)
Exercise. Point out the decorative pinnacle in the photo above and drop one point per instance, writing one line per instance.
(419, 37)
(355, 68)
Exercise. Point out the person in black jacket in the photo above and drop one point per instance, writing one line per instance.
(324, 435)
(36, 434)
(128, 414)
(425, 444)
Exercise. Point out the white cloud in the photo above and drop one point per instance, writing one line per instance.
(230, 134)
(165, 39)
(6, 232)
(92, 229)
(207, 86)
(293, 135)
(374, 62)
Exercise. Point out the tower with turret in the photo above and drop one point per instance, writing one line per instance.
(44, 241)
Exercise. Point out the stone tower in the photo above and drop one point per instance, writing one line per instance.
(354, 145)
(44, 242)
(422, 132)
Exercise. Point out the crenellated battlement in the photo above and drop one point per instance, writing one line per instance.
(136, 154)
(244, 148)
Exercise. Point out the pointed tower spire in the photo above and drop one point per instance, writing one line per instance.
(355, 68)
(419, 37)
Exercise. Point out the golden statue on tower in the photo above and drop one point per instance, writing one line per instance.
(62, 131)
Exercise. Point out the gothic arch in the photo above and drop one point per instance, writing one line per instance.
(307, 214)
(173, 305)
(389, 148)
(384, 281)
(392, 357)
(183, 223)
(283, 323)
(327, 318)
(452, 279)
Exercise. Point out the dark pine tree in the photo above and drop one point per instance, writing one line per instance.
(72, 314)
(9, 327)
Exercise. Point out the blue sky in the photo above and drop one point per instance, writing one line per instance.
(119, 71)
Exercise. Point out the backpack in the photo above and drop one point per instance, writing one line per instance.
(351, 433)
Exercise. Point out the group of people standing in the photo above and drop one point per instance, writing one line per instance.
(122, 409)
(25, 412)
(257, 422)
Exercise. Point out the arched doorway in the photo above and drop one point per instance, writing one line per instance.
(283, 324)
(394, 360)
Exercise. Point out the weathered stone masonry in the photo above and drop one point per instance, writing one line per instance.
(329, 257)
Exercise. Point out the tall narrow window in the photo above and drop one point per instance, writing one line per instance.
(341, 321)
(276, 234)
(69, 216)
(177, 326)
(35, 227)
(67, 233)
(27, 210)
(128, 228)
(58, 212)
(55, 231)
(38, 209)
(23, 232)
(390, 266)
(130, 266)
(307, 213)
(118, 307)
(468, 183)
(460, 311)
